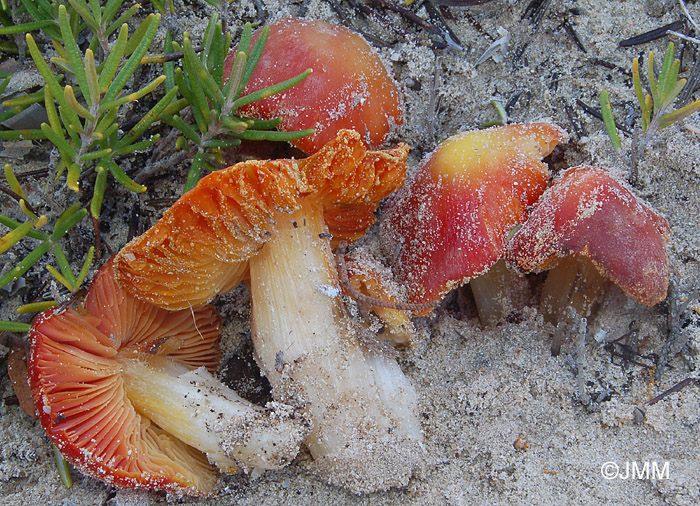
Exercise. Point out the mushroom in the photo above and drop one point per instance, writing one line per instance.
(449, 223)
(277, 217)
(125, 390)
(589, 226)
(349, 87)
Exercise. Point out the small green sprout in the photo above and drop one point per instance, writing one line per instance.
(656, 107)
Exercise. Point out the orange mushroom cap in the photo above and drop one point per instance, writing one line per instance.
(588, 212)
(79, 394)
(449, 223)
(201, 245)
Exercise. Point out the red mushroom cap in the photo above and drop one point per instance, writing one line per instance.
(449, 223)
(349, 87)
(79, 394)
(588, 212)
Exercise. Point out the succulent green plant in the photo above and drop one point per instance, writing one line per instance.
(83, 107)
(83, 123)
(213, 101)
(657, 110)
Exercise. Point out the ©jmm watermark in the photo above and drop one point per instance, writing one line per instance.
(636, 470)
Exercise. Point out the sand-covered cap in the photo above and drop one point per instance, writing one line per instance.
(77, 385)
(201, 245)
(590, 213)
(449, 223)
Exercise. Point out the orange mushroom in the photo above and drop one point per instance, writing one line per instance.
(586, 228)
(276, 218)
(125, 391)
(449, 223)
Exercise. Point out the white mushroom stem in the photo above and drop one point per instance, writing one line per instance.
(366, 435)
(195, 407)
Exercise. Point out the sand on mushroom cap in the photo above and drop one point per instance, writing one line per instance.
(588, 227)
(449, 223)
(277, 217)
(348, 88)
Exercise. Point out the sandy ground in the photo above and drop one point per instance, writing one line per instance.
(502, 418)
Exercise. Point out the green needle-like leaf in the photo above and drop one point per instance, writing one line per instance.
(92, 79)
(663, 79)
(147, 120)
(98, 192)
(82, 8)
(652, 79)
(138, 36)
(195, 172)
(36, 307)
(222, 143)
(200, 101)
(274, 135)
(13, 224)
(682, 113)
(121, 178)
(12, 181)
(95, 155)
(26, 27)
(73, 215)
(59, 277)
(63, 467)
(169, 66)
(270, 90)
(115, 88)
(111, 64)
(186, 129)
(46, 73)
(235, 125)
(639, 91)
(139, 146)
(64, 266)
(24, 100)
(86, 267)
(125, 16)
(671, 82)
(21, 328)
(73, 52)
(132, 97)
(60, 141)
(72, 176)
(233, 86)
(14, 236)
(255, 54)
(186, 91)
(75, 105)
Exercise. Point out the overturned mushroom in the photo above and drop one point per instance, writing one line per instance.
(449, 223)
(587, 227)
(125, 391)
(275, 217)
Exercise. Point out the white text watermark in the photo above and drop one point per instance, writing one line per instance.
(636, 470)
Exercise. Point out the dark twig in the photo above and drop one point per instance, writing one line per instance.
(593, 112)
(574, 121)
(691, 85)
(571, 32)
(675, 388)
(345, 19)
(654, 34)
(677, 305)
(18, 197)
(535, 11)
